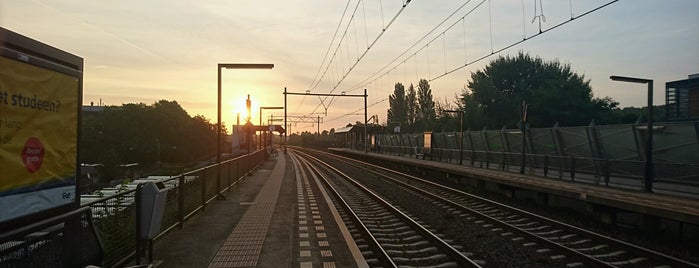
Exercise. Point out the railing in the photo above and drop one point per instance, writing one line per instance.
(609, 154)
(66, 240)
(398, 150)
(627, 174)
(115, 216)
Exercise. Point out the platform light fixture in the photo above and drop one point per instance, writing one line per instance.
(218, 125)
(648, 164)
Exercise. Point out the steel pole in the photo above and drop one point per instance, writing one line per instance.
(461, 138)
(523, 117)
(286, 130)
(648, 163)
(218, 132)
(524, 148)
(259, 138)
(366, 146)
(157, 167)
(648, 176)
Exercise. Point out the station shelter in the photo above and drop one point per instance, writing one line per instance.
(352, 137)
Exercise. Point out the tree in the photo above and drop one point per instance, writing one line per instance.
(552, 91)
(426, 113)
(473, 113)
(411, 105)
(396, 105)
(630, 115)
(133, 133)
(441, 106)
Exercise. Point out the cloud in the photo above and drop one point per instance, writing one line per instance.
(148, 50)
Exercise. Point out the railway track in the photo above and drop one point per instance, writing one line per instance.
(573, 246)
(388, 235)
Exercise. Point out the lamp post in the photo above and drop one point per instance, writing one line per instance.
(157, 164)
(218, 125)
(461, 138)
(267, 108)
(648, 165)
(523, 127)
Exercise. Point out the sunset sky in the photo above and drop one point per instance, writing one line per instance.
(145, 51)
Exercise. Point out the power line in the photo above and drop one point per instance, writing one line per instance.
(364, 82)
(344, 12)
(372, 44)
(359, 59)
(339, 43)
(485, 56)
(375, 76)
(523, 40)
(355, 112)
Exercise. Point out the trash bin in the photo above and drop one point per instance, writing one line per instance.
(152, 205)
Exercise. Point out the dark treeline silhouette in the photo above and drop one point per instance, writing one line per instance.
(142, 134)
(493, 96)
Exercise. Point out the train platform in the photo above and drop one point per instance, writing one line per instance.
(276, 217)
(602, 200)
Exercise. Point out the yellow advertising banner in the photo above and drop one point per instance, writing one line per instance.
(38, 126)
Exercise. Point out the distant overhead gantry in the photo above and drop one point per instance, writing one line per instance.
(308, 93)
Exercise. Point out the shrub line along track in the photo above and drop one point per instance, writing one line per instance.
(589, 248)
(392, 237)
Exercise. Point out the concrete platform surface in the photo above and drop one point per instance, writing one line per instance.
(274, 218)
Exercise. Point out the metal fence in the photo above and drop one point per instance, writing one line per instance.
(115, 216)
(64, 241)
(612, 155)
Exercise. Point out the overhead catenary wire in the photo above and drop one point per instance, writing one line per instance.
(463, 21)
(332, 59)
(571, 9)
(355, 112)
(444, 50)
(371, 45)
(427, 51)
(362, 83)
(402, 59)
(490, 25)
(524, 25)
(366, 34)
(327, 51)
(414, 55)
(339, 43)
(383, 22)
(314, 83)
(525, 39)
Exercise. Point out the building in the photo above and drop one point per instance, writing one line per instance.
(682, 99)
(352, 136)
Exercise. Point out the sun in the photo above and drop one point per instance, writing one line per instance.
(237, 108)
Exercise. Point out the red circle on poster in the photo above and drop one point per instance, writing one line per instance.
(33, 154)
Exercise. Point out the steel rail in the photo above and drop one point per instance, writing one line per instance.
(461, 259)
(374, 245)
(644, 252)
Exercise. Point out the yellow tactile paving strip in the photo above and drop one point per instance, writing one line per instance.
(243, 246)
